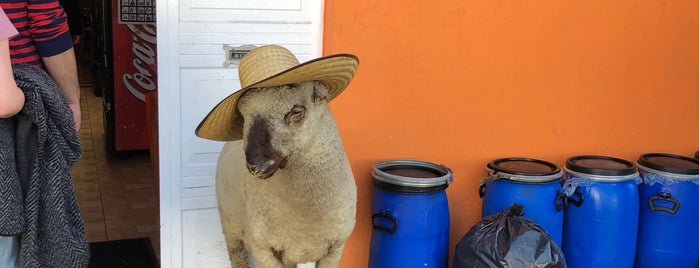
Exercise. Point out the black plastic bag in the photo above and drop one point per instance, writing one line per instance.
(507, 240)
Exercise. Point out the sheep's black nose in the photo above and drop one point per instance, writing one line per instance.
(258, 151)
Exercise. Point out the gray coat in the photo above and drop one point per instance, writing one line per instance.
(37, 148)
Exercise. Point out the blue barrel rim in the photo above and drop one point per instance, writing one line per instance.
(407, 189)
(497, 171)
(600, 166)
(646, 162)
(382, 177)
(675, 176)
(600, 178)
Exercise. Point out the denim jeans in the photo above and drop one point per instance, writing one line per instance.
(9, 251)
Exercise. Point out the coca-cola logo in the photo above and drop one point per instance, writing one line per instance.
(143, 43)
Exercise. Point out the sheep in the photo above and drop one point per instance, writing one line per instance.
(286, 193)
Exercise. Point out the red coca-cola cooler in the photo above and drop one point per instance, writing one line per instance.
(126, 70)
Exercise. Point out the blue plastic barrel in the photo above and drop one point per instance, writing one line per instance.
(601, 217)
(668, 234)
(410, 215)
(532, 183)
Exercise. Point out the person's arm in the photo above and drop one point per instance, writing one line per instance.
(11, 97)
(55, 46)
(63, 69)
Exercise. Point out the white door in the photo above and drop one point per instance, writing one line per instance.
(191, 80)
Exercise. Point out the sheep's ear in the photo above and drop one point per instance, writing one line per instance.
(320, 93)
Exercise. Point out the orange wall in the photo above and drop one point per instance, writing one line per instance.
(464, 82)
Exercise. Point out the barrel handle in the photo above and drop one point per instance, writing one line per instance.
(386, 214)
(667, 197)
(561, 201)
(577, 202)
(484, 181)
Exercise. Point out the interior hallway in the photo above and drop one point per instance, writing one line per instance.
(117, 195)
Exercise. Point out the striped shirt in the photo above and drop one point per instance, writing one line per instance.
(43, 29)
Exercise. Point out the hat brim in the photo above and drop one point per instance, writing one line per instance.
(224, 122)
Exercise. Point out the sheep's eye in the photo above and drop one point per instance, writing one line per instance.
(296, 114)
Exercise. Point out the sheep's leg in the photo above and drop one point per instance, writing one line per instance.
(332, 259)
(237, 254)
(267, 257)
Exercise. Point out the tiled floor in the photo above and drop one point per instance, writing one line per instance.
(116, 194)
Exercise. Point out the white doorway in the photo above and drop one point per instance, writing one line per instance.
(192, 79)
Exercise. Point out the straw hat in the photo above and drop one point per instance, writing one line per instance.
(269, 66)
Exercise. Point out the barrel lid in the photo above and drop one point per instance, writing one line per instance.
(600, 165)
(412, 173)
(524, 169)
(670, 163)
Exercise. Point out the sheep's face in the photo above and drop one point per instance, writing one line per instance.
(278, 122)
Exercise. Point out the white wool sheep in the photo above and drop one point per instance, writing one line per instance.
(286, 193)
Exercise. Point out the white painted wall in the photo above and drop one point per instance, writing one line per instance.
(191, 80)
